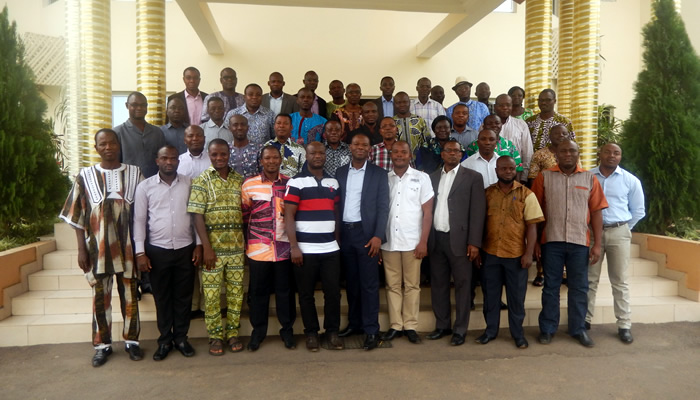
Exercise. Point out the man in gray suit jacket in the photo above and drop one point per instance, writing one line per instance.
(454, 241)
(278, 101)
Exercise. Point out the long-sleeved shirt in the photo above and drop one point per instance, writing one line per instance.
(625, 197)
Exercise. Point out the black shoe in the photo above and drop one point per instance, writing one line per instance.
(587, 325)
(350, 331)
(254, 344)
(391, 334)
(625, 335)
(521, 343)
(100, 357)
(146, 288)
(185, 348)
(334, 341)
(371, 342)
(584, 339)
(196, 314)
(484, 339)
(412, 336)
(162, 352)
(457, 339)
(135, 352)
(504, 306)
(439, 333)
(545, 338)
(289, 342)
(312, 342)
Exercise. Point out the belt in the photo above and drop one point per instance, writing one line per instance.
(614, 225)
(352, 225)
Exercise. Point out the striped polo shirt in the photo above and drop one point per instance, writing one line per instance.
(316, 201)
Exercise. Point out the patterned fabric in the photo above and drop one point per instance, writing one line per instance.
(349, 120)
(262, 202)
(380, 156)
(527, 113)
(260, 123)
(428, 111)
(477, 113)
(541, 160)
(331, 107)
(428, 157)
(336, 158)
(539, 129)
(102, 306)
(293, 156)
(245, 160)
(504, 148)
(230, 102)
(412, 130)
(232, 276)
(306, 130)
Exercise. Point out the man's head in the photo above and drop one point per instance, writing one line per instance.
(386, 85)
(557, 134)
(336, 90)
(276, 83)
(176, 110)
(218, 154)
(353, 93)
(370, 113)
(167, 160)
(503, 106)
(610, 156)
(546, 101)
(238, 125)
(253, 96)
(451, 153)
(359, 147)
(483, 92)
(494, 123)
(315, 155)
(517, 94)
(107, 145)
(305, 99)
(442, 127)
(462, 88)
(311, 81)
(137, 105)
(437, 93)
(270, 159)
(567, 154)
(402, 105)
(283, 126)
(191, 78)
(228, 79)
(215, 108)
(194, 139)
(388, 129)
(423, 87)
(460, 115)
(333, 131)
(400, 154)
(505, 169)
(487, 141)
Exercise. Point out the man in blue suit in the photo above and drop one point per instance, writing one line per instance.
(364, 210)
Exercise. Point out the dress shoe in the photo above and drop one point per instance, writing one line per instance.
(484, 339)
(412, 336)
(545, 338)
(185, 348)
(587, 325)
(196, 314)
(371, 342)
(135, 352)
(504, 306)
(457, 339)
(391, 334)
(312, 342)
(146, 288)
(439, 333)
(350, 331)
(625, 336)
(521, 343)
(254, 344)
(100, 357)
(162, 352)
(584, 339)
(289, 342)
(335, 342)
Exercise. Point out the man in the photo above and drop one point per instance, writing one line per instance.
(307, 126)
(216, 127)
(215, 201)
(571, 199)
(364, 210)
(484, 162)
(98, 207)
(164, 243)
(483, 94)
(318, 105)
(268, 250)
(464, 134)
(350, 115)
(139, 141)
(455, 239)
(423, 106)
(369, 126)
(385, 103)
(337, 151)
(310, 214)
(244, 153)
(380, 153)
(174, 129)
(260, 119)
(195, 160)
(625, 197)
(337, 92)
(227, 94)
(539, 124)
(511, 233)
(278, 101)
(411, 128)
(428, 157)
(437, 93)
(293, 154)
(515, 130)
(477, 111)
(504, 147)
(410, 218)
(192, 97)
(545, 158)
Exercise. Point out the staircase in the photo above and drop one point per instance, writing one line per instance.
(58, 306)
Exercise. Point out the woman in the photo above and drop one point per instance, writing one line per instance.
(517, 94)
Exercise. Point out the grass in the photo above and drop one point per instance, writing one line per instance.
(25, 233)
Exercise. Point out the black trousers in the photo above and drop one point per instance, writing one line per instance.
(495, 271)
(443, 264)
(271, 277)
(326, 265)
(172, 279)
(362, 280)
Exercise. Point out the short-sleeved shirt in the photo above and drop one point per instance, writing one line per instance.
(413, 130)
(140, 148)
(477, 112)
(293, 156)
(504, 148)
(487, 169)
(213, 131)
(262, 202)
(336, 158)
(245, 160)
(539, 129)
(260, 123)
(379, 155)
(407, 194)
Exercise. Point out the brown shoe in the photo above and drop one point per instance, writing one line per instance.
(335, 341)
(312, 342)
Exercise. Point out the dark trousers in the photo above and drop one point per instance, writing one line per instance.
(172, 279)
(271, 277)
(495, 271)
(443, 264)
(554, 256)
(326, 265)
(362, 280)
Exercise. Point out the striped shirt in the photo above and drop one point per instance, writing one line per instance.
(428, 111)
(262, 202)
(315, 218)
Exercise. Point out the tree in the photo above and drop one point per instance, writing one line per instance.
(661, 139)
(33, 187)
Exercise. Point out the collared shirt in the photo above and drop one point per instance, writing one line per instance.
(507, 217)
(336, 158)
(160, 214)
(441, 219)
(140, 148)
(388, 107)
(293, 156)
(567, 202)
(175, 136)
(331, 107)
(504, 148)
(625, 197)
(477, 112)
(541, 160)
(276, 104)
(517, 132)
(306, 130)
(527, 113)
(412, 130)
(314, 106)
(213, 131)
(539, 129)
(194, 107)
(428, 111)
(262, 202)
(353, 193)
(230, 102)
(466, 137)
(193, 166)
(245, 160)
(407, 194)
(381, 156)
(260, 123)
(487, 168)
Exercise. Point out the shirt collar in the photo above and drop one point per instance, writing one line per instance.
(263, 177)
(384, 100)
(201, 155)
(364, 166)
(409, 171)
(452, 171)
(493, 158)
(576, 171)
(160, 180)
(188, 95)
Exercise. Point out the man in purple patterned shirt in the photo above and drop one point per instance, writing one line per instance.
(244, 153)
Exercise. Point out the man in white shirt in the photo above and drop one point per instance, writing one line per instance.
(425, 107)
(484, 162)
(195, 160)
(517, 131)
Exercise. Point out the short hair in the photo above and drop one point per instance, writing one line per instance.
(438, 119)
(277, 73)
(269, 147)
(190, 69)
(461, 104)
(454, 140)
(252, 85)
(553, 93)
(331, 121)
(402, 94)
(217, 141)
(387, 117)
(304, 89)
(423, 78)
(174, 98)
(168, 147)
(486, 129)
(233, 115)
(514, 88)
(107, 130)
(135, 94)
(386, 77)
(334, 81)
(284, 115)
(358, 134)
(214, 98)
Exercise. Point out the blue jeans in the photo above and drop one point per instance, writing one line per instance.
(554, 256)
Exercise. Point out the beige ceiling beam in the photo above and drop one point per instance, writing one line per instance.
(200, 17)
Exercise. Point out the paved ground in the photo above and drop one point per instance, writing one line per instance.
(662, 363)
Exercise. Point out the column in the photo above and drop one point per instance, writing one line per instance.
(150, 57)
(538, 49)
(566, 56)
(73, 87)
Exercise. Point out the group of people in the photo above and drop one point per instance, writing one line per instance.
(300, 190)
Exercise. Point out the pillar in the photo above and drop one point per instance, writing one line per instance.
(538, 49)
(150, 57)
(566, 56)
(73, 87)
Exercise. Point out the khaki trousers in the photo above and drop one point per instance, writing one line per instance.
(402, 272)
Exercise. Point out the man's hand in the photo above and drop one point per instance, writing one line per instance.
(479, 262)
(421, 251)
(374, 244)
(538, 252)
(472, 252)
(143, 262)
(197, 255)
(526, 260)
(84, 260)
(297, 256)
(209, 258)
(594, 255)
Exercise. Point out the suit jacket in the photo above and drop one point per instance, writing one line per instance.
(380, 108)
(374, 207)
(181, 95)
(289, 103)
(322, 109)
(466, 203)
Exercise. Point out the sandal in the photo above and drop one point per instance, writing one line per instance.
(216, 347)
(538, 281)
(235, 345)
